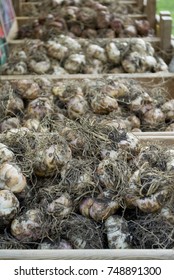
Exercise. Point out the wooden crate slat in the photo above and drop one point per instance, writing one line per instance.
(165, 32)
(140, 4)
(150, 10)
(87, 254)
(17, 7)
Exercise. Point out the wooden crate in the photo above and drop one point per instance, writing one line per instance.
(148, 81)
(166, 52)
(148, 10)
(87, 254)
(106, 254)
(162, 39)
(162, 28)
(162, 138)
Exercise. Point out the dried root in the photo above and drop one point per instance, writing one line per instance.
(82, 233)
(151, 232)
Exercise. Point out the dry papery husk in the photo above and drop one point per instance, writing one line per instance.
(43, 115)
(104, 96)
(20, 141)
(85, 23)
(27, 89)
(113, 173)
(107, 92)
(24, 59)
(44, 223)
(145, 103)
(133, 53)
(151, 183)
(155, 156)
(99, 208)
(80, 176)
(60, 244)
(35, 155)
(55, 6)
(11, 104)
(123, 104)
(149, 189)
(42, 209)
(67, 187)
(114, 4)
(156, 118)
(118, 235)
(159, 157)
(96, 136)
(9, 207)
(56, 204)
(84, 138)
(82, 232)
(77, 177)
(17, 100)
(31, 225)
(81, 180)
(6, 155)
(73, 133)
(87, 175)
(49, 160)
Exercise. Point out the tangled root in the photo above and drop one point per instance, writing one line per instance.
(151, 232)
(154, 155)
(82, 232)
(78, 179)
(9, 242)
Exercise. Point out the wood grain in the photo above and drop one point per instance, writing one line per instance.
(87, 254)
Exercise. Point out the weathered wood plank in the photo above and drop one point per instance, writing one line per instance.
(150, 10)
(140, 4)
(17, 7)
(165, 32)
(87, 254)
(159, 76)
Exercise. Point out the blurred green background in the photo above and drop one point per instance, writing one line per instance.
(166, 5)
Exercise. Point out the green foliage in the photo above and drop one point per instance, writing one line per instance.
(166, 5)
